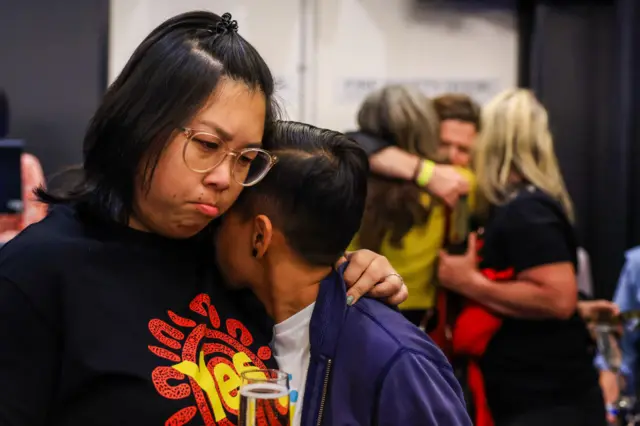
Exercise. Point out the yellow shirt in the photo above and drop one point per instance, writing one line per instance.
(416, 260)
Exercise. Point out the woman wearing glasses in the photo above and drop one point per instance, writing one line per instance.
(111, 311)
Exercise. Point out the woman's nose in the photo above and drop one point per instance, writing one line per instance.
(220, 176)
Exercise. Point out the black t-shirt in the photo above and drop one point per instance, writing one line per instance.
(533, 362)
(105, 325)
(369, 143)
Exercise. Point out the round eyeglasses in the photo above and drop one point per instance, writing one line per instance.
(204, 152)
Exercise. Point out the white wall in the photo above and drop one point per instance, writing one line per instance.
(271, 26)
(348, 47)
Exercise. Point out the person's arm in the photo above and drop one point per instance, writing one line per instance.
(535, 241)
(547, 291)
(417, 391)
(395, 163)
(440, 180)
(28, 360)
(388, 160)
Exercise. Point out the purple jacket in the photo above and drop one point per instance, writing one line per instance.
(370, 366)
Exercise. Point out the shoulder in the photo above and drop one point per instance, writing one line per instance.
(631, 269)
(532, 206)
(369, 143)
(409, 363)
(530, 230)
(38, 261)
(633, 257)
(43, 247)
(383, 327)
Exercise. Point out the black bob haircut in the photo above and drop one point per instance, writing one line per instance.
(316, 192)
(166, 81)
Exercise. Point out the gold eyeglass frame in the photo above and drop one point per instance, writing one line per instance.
(190, 133)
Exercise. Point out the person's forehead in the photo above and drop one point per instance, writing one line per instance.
(234, 113)
(460, 131)
(204, 125)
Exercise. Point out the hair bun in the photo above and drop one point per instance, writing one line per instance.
(226, 25)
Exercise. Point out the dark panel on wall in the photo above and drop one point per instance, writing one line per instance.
(53, 66)
(584, 59)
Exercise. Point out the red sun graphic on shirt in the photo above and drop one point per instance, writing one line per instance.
(208, 358)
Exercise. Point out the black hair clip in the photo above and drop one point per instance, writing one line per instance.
(226, 25)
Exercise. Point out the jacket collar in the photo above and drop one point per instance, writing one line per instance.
(329, 314)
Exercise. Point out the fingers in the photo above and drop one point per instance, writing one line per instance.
(442, 261)
(607, 306)
(372, 274)
(342, 259)
(388, 288)
(399, 297)
(357, 282)
(471, 245)
(368, 270)
(378, 269)
(359, 261)
(452, 199)
(615, 309)
(602, 306)
(463, 186)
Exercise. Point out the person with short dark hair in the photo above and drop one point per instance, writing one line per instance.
(459, 125)
(360, 364)
(112, 311)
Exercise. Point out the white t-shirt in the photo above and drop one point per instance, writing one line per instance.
(292, 350)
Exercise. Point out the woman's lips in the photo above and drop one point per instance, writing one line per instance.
(207, 209)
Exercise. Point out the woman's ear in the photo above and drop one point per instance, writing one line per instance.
(262, 235)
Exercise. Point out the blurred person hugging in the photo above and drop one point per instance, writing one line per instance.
(401, 220)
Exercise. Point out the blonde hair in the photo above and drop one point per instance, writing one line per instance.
(515, 137)
(406, 117)
(402, 115)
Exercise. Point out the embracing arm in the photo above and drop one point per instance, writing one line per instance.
(28, 360)
(395, 163)
(417, 391)
(547, 291)
(388, 160)
(440, 180)
(535, 241)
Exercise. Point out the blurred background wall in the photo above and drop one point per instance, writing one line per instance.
(53, 59)
(328, 54)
